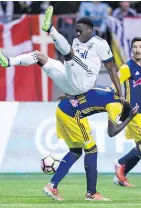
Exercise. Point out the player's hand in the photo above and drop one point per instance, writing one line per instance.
(62, 97)
(122, 99)
(134, 111)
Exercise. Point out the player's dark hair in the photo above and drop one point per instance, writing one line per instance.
(86, 21)
(135, 40)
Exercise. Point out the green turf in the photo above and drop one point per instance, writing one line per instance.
(25, 190)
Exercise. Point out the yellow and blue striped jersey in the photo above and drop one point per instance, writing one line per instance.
(99, 99)
(130, 75)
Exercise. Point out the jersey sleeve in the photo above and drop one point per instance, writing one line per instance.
(114, 110)
(104, 51)
(124, 73)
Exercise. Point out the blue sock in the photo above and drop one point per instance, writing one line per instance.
(66, 163)
(131, 164)
(124, 160)
(90, 162)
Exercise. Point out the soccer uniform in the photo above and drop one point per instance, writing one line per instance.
(72, 112)
(130, 75)
(78, 75)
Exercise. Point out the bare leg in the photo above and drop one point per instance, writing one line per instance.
(53, 68)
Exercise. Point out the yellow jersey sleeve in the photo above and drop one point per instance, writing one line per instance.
(114, 110)
(124, 73)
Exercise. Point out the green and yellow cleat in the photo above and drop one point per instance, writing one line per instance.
(3, 60)
(48, 19)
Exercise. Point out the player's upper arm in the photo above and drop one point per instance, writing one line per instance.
(124, 73)
(104, 51)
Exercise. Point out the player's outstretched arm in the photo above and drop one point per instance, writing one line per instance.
(114, 129)
(115, 79)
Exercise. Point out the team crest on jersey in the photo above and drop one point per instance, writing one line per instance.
(90, 46)
(74, 102)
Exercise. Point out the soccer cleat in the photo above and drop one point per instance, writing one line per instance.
(116, 180)
(125, 183)
(52, 192)
(46, 26)
(96, 197)
(3, 60)
(119, 171)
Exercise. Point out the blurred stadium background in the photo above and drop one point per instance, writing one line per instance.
(27, 122)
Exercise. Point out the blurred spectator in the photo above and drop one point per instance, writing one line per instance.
(63, 7)
(10, 10)
(98, 11)
(124, 10)
(36, 7)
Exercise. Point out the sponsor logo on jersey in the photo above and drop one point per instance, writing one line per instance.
(136, 83)
(74, 102)
(83, 55)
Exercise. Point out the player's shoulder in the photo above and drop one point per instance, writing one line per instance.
(125, 66)
(130, 63)
(76, 42)
(99, 40)
(75, 39)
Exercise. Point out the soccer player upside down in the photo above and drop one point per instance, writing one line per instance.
(74, 128)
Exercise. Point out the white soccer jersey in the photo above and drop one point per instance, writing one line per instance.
(79, 75)
(93, 52)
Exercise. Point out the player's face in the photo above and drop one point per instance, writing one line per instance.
(136, 50)
(83, 32)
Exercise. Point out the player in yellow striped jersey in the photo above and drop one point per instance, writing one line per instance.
(130, 76)
(74, 128)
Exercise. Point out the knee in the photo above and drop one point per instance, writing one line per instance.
(93, 149)
(76, 151)
(70, 55)
(42, 59)
(38, 53)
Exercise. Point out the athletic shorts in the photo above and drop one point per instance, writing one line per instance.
(72, 77)
(133, 129)
(76, 132)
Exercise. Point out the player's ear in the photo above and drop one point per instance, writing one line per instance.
(127, 107)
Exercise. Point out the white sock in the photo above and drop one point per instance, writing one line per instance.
(60, 42)
(24, 59)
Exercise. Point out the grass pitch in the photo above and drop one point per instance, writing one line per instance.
(25, 190)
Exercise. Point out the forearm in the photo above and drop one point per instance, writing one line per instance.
(121, 126)
(115, 79)
(113, 129)
(112, 70)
